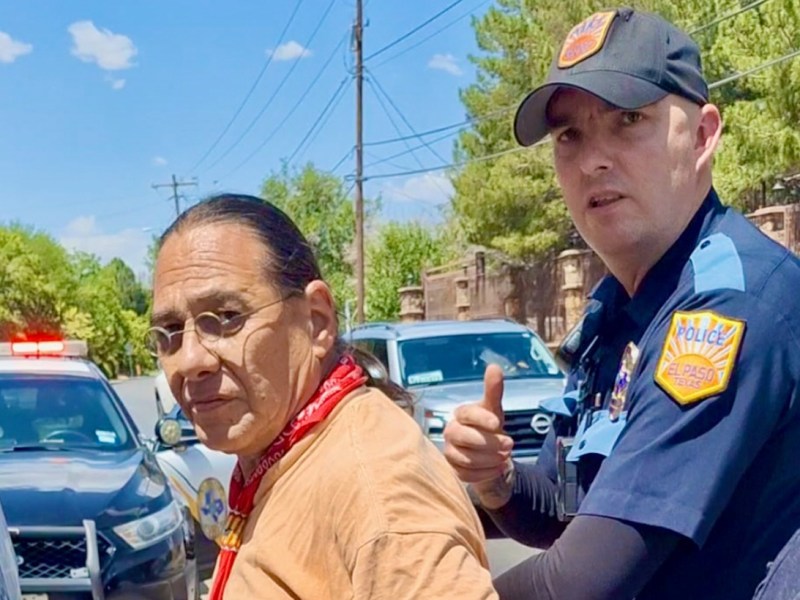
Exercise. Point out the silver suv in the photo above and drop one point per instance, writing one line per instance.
(443, 363)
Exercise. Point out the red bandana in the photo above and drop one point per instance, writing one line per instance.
(345, 377)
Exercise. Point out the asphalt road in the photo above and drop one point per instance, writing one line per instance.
(139, 398)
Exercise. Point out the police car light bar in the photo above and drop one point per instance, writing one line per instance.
(68, 348)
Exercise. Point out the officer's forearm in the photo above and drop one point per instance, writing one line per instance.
(596, 559)
(529, 515)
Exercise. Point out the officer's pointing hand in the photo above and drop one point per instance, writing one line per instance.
(475, 445)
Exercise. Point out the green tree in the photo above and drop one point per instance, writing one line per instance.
(46, 291)
(132, 294)
(319, 205)
(396, 257)
(35, 283)
(151, 256)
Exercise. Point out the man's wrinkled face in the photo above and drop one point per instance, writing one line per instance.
(628, 176)
(241, 390)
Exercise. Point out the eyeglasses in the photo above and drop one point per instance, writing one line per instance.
(210, 327)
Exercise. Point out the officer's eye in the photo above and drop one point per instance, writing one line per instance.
(629, 117)
(566, 135)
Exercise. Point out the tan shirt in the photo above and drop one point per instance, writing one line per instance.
(363, 507)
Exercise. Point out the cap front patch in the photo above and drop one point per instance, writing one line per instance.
(585, 39)
(698, 356)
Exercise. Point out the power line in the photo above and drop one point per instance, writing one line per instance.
(454, 164)
(408, 34)
(375, 85)
(388, 161)
(315, 122)
(760, 67)
(725, 17)
(460, 125)
(295, 106)
(432, 35)
(347, 154)
(374, 81)
(494, 155)
(250, 92)
(379, 160)
(322, 123)
(277, 90)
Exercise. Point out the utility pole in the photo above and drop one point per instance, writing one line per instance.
(358, 33)
(174, 185)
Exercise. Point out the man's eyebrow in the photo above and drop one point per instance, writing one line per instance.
(164, 316)
(202, 302)
(556, 121)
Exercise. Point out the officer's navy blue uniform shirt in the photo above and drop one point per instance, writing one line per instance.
(722, 471)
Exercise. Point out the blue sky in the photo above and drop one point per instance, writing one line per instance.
(100, 100)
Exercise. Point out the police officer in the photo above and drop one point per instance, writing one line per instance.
(672, 468)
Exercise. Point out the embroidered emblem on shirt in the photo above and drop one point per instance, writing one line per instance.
(698, 355)
(585, 39)
(620, 392)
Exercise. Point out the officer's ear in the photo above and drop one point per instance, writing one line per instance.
(708, 129)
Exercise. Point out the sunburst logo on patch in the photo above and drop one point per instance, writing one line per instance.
(585, 39)
(698, 355)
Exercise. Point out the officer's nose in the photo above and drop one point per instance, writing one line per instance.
(595, 157)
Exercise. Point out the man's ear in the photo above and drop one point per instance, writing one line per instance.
(709, 130)
(324, 323)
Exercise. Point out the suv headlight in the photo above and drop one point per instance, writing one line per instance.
(153, 528)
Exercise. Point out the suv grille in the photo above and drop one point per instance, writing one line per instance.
(527, 442)
(54, 558)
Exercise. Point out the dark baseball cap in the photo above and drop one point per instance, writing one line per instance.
(625, 57)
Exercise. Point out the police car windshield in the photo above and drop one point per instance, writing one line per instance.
(464, 357)
(59, 412)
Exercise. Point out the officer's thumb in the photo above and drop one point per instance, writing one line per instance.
(493, 392)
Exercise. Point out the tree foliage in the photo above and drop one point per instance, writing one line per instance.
(46, 291)
(396, 256)
(319, 205)
(512, 203)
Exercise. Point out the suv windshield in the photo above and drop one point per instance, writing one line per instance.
(464, 357)
(59, 412)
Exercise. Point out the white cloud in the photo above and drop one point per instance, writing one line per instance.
(130, 244)
(117, 84)
(111, 51)
(445, 62)
(430, 188)
(11, 49)
(159, 161)
(289, 51)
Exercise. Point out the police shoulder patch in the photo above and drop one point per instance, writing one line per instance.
(585, 39)
(698, 356)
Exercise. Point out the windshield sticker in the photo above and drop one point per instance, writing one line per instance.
(425, 377)
(106, 437)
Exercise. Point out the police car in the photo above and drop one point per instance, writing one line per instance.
(88, 508)
(199, 477)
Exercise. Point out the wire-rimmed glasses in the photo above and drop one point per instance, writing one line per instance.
(208, 326)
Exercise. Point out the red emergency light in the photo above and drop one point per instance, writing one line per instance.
(23, 348)
(44, 348)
